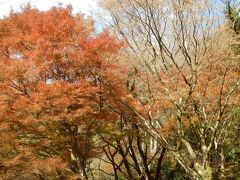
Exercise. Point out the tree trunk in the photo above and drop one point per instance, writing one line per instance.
(159, 164)
(203, 173)
(125, 161)
(222, 161)
(85, 176)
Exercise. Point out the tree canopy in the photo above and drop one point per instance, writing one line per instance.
(154, 96)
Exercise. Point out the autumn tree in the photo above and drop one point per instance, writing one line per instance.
(186, 77)
(55, 75)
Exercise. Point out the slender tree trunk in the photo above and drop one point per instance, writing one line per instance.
(134, 158)
(142, 155)
(115, 173)
(85, 176)
(222, 161)
(159, 164)
(125, 161)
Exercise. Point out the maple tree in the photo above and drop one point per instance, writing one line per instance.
(55, 74)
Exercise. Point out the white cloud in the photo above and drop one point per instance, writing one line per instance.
(84, 6)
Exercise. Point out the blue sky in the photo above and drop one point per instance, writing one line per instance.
(85, 6)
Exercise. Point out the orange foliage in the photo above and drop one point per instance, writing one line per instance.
(54, 74)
